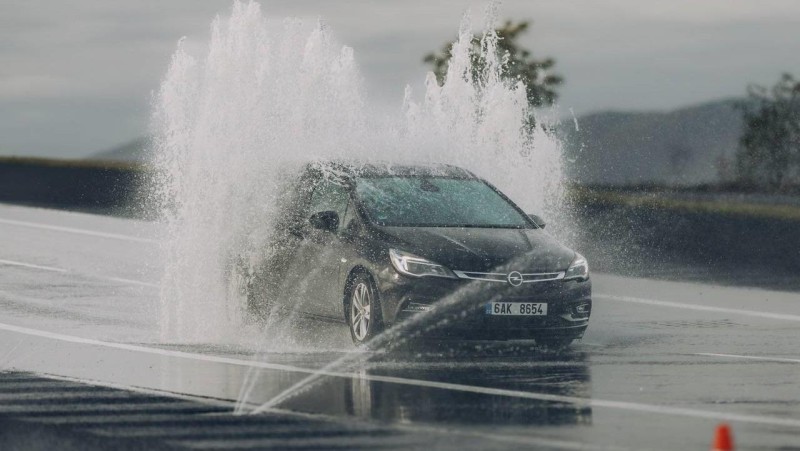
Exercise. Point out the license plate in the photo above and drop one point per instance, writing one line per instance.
(517, 308)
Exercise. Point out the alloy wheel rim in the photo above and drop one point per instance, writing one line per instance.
(360, 310)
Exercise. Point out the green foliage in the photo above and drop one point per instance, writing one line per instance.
(520, 64)
(769, 153)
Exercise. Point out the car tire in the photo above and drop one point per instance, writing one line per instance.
(363, 310)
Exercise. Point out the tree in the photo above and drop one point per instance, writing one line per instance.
(521, 65)
(769, 151)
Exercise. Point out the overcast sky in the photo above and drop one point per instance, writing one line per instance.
(76, 76)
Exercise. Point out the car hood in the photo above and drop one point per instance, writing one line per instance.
(484, 249)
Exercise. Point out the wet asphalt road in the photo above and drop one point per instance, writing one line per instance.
(661, 364)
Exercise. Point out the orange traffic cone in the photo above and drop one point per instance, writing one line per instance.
(723, 438)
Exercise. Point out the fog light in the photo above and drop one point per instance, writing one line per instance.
(582, 309)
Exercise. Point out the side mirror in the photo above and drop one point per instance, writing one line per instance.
(537, 220)
(325, 220)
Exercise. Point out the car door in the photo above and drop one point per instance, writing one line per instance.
(314, 271)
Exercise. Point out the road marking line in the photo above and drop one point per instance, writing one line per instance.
(114, 236)
(589, 402)
(31, 265)
(62, 270)
(749, 357)
(704, 308)
(130, 281)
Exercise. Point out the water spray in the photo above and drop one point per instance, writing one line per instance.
(269, 96)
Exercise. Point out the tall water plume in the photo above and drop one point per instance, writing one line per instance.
(481, 121)
(270, 95)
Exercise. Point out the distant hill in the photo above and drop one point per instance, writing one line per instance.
(135, 150)
(687, 146)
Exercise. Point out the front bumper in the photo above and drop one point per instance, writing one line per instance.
(455, 308)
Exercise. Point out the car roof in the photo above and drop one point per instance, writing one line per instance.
(353, 169)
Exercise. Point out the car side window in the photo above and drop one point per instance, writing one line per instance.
(329, 196)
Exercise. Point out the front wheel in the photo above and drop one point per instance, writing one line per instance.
(363, 310)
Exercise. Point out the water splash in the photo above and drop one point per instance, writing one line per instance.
(268, 96)
(227, 125)
(480, 121)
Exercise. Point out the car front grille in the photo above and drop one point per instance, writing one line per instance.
(506, 277)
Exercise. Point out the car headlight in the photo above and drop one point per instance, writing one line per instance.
(415, 266)
(578, 269)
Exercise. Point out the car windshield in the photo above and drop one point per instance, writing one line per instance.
(436, 202)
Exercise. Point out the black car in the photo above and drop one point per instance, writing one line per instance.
(377, 245)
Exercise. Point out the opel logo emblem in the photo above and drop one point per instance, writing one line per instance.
(515, 278)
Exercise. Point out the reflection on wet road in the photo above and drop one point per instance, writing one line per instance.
(368, 395)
